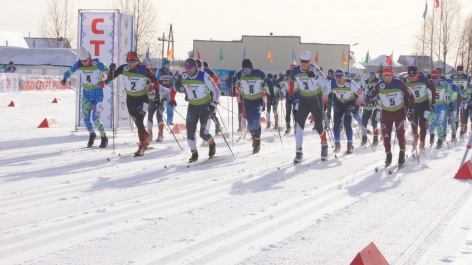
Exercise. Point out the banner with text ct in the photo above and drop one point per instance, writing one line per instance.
(100, 32)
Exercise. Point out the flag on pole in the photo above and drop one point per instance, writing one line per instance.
(294, 57)
(170, 54)
(367, 58)
(316, 57)
(437, 3)
(425, 10)
(414, 61)
(442, 11)
(344, 58)
(222, 58)
(198, 54)
(389, 59)
(244, 53)
(269, 55)
(147, 56)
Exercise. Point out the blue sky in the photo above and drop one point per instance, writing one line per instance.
(376, 25)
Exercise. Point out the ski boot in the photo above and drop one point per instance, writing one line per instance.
(364, 140)
(212, 150)
(140, 151)
(375, 141)
(461, 134)
(194, 157)
(349, 149)
(104, 142)
(453, 138)
(388, 159)
(439, 144)
(421, 148)
(160, 136)
(253, 139)
(337, 148)
(287, 131)
(257, 145)
(268, 124)
(276, 123)
(401, 157)
(91, 139)
(431, 139)
(298, 155)
(324, 151)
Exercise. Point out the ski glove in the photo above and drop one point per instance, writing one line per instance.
(212, 107)
(173, 103)
(290, 100)
(63, 81)
(112, 67)
(311, 74)
(432, 107)
(410, 114)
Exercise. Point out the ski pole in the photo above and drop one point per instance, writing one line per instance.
(219, 126)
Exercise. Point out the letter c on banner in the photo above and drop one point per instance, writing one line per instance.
(94, 25)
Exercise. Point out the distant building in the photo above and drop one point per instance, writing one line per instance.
(48, 42)
(256, 48)
(422, 62)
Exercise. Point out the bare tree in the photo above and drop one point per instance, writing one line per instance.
(145, 23)
(57, 23)
(448, 29)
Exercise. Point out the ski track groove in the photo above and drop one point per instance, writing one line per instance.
(65, 231)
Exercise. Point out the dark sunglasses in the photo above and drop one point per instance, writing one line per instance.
(339, 77)
(247, 69)
(305, 61)
(83, 61)
(131, 61)
(189, 67)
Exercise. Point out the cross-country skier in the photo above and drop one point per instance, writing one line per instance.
(92, 72)
(392, 94)
(455, 93)
(291, 98)
(371, 111)
(309, 83)
(136, 81)
(438, 118)
(345, 93)
(202, 94)
(419, 85)
(250, 83)
(463, 81)
(272, 100)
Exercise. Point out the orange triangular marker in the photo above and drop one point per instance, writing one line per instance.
(370, 255)
(56, 100)
(13, 103)
(48, 122)
(465, 172)
(179, 128)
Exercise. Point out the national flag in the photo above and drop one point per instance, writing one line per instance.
(198, 54)
(170, 54)
(437, 3)
(367, 58)
(244, 54)
(414, 61)
(389, 59)
(425, 10)
(294, 57)
(269, 55)
(316, 57)
(222, 57)
(147, 56)
(344, 58)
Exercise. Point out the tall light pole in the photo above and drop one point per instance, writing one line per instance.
(349, 54)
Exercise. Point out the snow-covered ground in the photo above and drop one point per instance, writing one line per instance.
(61, 203)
